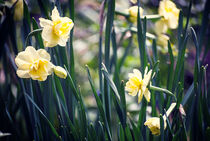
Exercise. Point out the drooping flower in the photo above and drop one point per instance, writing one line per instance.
(161, 26)
(154, 123)
(162, 40)
(133, 13)
(138, 85)
(34, 64)
(170, 13)
(56, 32)
(60, 72)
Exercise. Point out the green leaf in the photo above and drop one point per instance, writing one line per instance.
(171, 68)
(110, 82)
(44, 117)
(43, 5)
(38, 36)
(161, 128)
(128, 134)
(99, 104)
(121, 135)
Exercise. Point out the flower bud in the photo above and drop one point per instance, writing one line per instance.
(60, 72)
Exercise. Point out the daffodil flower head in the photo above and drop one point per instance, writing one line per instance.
(154, 125)
(170, 13)
(133, 13)
(162, 40)
(56, 31)
(138, 85)
(34, 64)
(60, 72)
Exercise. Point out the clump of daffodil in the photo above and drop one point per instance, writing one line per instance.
(138, 85)
(56, 31)
(133, 13)
(36, 64)
(154, 123)
(170, 14)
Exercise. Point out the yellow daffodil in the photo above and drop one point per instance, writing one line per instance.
(36, 64)
(161, 27)
(154, 123)
(60, 72)
(170, 13)
(133, 12)
(162, 40)
(56, 31)
(138, 85)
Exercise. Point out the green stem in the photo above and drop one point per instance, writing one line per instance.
(163, 90)
(31, 34)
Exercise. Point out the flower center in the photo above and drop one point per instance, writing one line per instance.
(35, 65)
(61, 28)
(140, 84)
(168, 9)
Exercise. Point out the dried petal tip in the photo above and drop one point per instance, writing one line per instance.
(60, 72)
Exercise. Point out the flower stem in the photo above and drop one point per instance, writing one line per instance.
(163, 90)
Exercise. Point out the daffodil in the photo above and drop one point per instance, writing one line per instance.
(56, 31)
(170, 13)
(60, 72)
(154, 123)
(133, 13)
(161, 26)
(36, 64)
(162, 40)
(138, 85)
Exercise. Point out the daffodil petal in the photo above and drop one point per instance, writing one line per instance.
(55, 14)
(140, 96)
(45, 22)
(147, 95)
(23, 73)
(50, 39)
(43, 54)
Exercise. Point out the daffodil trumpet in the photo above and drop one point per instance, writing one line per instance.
(162, 90)
(154, 123)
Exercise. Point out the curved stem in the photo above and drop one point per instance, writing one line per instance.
(31, 34)
(163, 90)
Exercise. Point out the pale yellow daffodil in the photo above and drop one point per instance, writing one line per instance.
(154, 123)
(133, 13)
(35, 64)
(162, 41)
(56, 31)
(60, 72)
(170, 13)
(138, 85)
